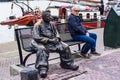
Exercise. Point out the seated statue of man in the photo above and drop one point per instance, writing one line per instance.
(46, 40)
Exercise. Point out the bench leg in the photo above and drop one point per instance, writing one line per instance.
(79, 47)
(25, 59)
(19, 47)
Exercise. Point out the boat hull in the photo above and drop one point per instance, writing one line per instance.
(23, 20)
(94, 24)
(89, 18)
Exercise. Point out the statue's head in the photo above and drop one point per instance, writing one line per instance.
(46, 15)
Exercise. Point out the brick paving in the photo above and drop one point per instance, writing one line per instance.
(102, 68)
(105, 67)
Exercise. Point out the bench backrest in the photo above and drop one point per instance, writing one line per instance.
(24, 38)
(25, 35)
(63, 31)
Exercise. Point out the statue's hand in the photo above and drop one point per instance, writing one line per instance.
(54, 40)
(59, 39)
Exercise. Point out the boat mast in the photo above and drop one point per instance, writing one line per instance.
(101, 8)
(28, 4)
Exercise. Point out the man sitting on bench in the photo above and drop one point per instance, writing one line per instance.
(79, 33)
(46, 39)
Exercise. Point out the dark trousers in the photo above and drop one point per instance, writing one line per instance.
(90, 42)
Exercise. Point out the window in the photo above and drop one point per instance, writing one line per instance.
(95, 16)
(88, 15)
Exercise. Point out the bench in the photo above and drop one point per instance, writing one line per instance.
(24, 37)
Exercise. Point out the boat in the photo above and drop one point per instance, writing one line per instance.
(22, 20)
(91, 12)
(90, 19)
(28, 18)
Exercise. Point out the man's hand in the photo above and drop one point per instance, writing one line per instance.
(87, 34)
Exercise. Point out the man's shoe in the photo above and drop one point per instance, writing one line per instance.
(71, 67)
(87, 56)
(43, 73)
(95, 53)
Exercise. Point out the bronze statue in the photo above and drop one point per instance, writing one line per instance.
(46, 40)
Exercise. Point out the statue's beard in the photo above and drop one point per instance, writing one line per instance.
(47, 20)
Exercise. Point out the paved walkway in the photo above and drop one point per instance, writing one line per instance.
(105, 67)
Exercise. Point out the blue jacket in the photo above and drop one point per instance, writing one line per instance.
(75, 27)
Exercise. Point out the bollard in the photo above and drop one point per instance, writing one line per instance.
(63, 21)
(29, 73)
(62, 28)
(98, 22)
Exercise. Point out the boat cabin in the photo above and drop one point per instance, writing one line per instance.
(86, 15)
